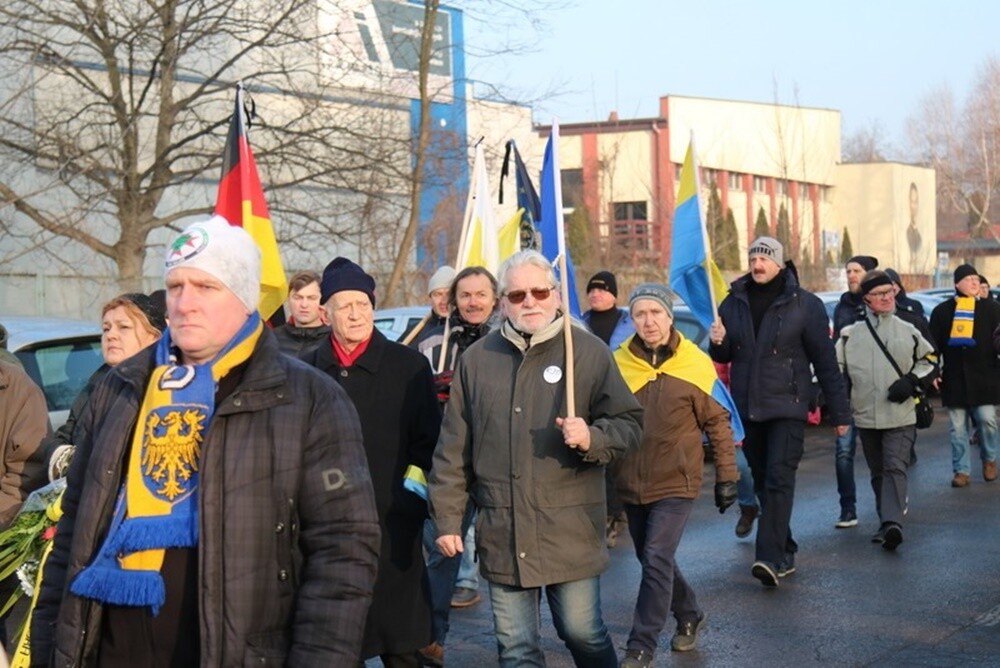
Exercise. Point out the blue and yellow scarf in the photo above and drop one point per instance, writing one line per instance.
(688, 363)
(157, 507)
(963, 323)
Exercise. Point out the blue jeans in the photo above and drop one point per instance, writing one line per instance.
(744, 486)
(576, 613)
(441, 574)
(656, 530)
(468, 571)
(986, 418)
(847, 445)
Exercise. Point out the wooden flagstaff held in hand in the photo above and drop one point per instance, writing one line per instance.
(417, 329)
(563, 280)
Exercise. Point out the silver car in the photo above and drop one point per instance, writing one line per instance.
(59, 354)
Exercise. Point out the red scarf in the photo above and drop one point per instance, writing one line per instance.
(345, 358)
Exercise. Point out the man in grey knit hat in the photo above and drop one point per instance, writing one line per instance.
(775, 333)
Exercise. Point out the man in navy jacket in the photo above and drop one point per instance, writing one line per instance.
(775, 335)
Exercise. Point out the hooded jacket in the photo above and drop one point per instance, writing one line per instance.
(772, 370)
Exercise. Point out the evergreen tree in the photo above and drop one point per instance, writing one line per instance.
(728, 248)
(713, 218)
(846, 250)
(761, 227)
(784, 231)
(578, 236)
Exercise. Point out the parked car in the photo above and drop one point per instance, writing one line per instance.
(394, 322)
(59, 354)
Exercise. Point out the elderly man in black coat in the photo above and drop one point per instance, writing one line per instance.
(393, 391)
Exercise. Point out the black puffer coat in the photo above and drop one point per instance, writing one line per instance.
(772, 371)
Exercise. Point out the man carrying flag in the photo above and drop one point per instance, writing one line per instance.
(241, 202)
(775, 334)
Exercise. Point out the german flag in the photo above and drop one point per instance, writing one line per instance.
(241, 202)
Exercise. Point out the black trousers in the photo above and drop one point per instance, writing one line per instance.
(774, 450)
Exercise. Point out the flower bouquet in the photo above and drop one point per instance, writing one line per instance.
(24, 542)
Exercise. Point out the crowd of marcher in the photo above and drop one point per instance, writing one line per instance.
(318, 495)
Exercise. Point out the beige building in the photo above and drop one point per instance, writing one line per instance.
(764, 160)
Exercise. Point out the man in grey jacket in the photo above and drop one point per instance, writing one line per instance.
(881, 399)
(536, 474)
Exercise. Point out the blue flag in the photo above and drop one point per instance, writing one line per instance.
(551, 223)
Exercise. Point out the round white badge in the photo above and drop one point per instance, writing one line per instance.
(552, 374)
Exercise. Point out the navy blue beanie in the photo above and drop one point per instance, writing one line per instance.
(342, 274)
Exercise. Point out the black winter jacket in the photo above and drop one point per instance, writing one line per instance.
(772, 372)
(969, 376)
(288, 528)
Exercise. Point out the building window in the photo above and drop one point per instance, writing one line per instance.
(630, 211)
(782, 187)
(803, 191)
(708, 176)
(735, 181)
(630, 232)
(572, 188)
(759, 184)
(677, 171)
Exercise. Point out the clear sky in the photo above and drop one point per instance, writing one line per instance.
(871, 59)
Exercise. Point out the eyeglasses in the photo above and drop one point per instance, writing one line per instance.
(518, 296)
(882, 294)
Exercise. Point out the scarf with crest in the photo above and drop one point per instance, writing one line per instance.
(157, 506)
(963, 322)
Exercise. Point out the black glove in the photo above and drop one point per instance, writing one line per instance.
(725, 495)
(902, 389)
(442, 385)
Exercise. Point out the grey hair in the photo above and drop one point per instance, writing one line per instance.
(523, 258)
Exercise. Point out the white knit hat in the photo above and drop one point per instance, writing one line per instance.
(225, 251)
(441, 278)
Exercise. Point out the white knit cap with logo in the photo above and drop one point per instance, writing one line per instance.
(225, 251)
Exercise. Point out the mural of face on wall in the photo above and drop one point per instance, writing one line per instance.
(913, 238)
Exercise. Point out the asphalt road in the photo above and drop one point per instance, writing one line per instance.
(935, 601)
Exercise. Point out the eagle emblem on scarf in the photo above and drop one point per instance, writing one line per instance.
(170, 451)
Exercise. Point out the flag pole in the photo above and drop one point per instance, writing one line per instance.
(466, 221)
(704, 228)
(563, 275)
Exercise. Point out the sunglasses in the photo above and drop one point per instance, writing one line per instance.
(518, 296)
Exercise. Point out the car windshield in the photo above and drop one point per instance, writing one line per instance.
(61, 369)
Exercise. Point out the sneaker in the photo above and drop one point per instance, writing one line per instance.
(990, 471)
(787, 566)
(893, 536)
(878, 536)
(636, 658)
(848, 519)
(745, 524)
(960, 480)
(687, 635)
(432, 655)
(766, 573)
(463, 597)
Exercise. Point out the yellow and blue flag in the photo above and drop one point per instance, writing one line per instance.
(694, 276)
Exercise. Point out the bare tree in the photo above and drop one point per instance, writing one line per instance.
(962, 145)
(867, 144)
(113, 118)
